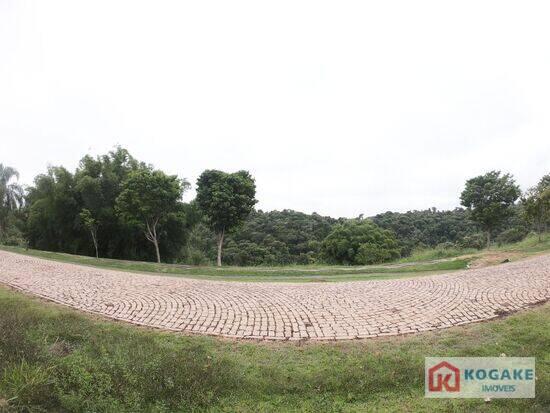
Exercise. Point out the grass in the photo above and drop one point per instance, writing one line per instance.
(305, 273)
(55, 359)
(431, 254)
(421, 263)
(533, 244)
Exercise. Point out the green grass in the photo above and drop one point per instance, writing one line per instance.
(55, 359)
(305, 273)
(431, 254)
(421, 263)
(530, 245)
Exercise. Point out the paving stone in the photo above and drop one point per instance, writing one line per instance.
(286, 311)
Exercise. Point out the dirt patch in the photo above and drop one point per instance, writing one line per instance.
(494, 258)
(60, 349)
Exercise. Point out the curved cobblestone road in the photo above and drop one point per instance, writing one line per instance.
(279, 311)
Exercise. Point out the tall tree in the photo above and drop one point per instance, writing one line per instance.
(89, 189)
(226, 199)
(489, 198)
(98, 184)
(53, 212)
(536, 203)
(11, 195)
(91, 224)
(148, 198)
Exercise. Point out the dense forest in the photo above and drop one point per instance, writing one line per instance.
(115, 206)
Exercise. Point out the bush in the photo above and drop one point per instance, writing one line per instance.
(196, 257)
(371, 253)
(477, 241)
(446, 246)
(511, 235)
(359, 242)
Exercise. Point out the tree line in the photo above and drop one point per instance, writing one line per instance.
(115, 206)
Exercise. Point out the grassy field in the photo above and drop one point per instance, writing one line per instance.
(56, 359)
(529, 246)
(424, 262)
(304, 273)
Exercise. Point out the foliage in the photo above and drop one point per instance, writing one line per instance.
(53, 212)
(91, 224)
(489, 198)
(11, 200)
(510, 236)
(536, 204)
(148, 198)
(427, 228)
(57, 198)
(278, 238)
(437, 253)
(62, 211)
(359, 242)
(476, 240)
(225, 199)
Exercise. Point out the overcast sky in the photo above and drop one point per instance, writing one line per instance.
(336, 107)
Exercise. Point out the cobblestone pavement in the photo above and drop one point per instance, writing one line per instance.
(282, 311)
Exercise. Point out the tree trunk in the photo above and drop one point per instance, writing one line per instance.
(151, 235)
(94, 238)
(220, 246)
(157, 249)
(488, 238)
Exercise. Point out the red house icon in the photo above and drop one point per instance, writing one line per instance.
(444, 375)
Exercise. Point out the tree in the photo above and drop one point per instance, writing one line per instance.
(427, 228)
(98, 183)
(226, 199)
(55, 201)
(11, 195)
(89, 190)
(359, 241)
(91, 224)
(148, 199)
(489, 198)
(53, 212)
(536, 204)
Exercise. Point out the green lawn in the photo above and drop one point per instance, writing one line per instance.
(529, 246)
(298, 273)
(55, 359)
(425, 262)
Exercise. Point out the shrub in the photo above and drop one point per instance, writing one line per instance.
(477, 241)
(446, 245)
(511, 235)
(359, 242)
(371, 253)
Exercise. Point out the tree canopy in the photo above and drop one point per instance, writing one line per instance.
(225, 199)
(428, 228)
(56, 200)
(11, 197)
(536, 203)
(115, 206)
(148, 198)
(489, 198)
(360, 242)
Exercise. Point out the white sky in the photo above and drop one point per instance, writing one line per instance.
(336, 107)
